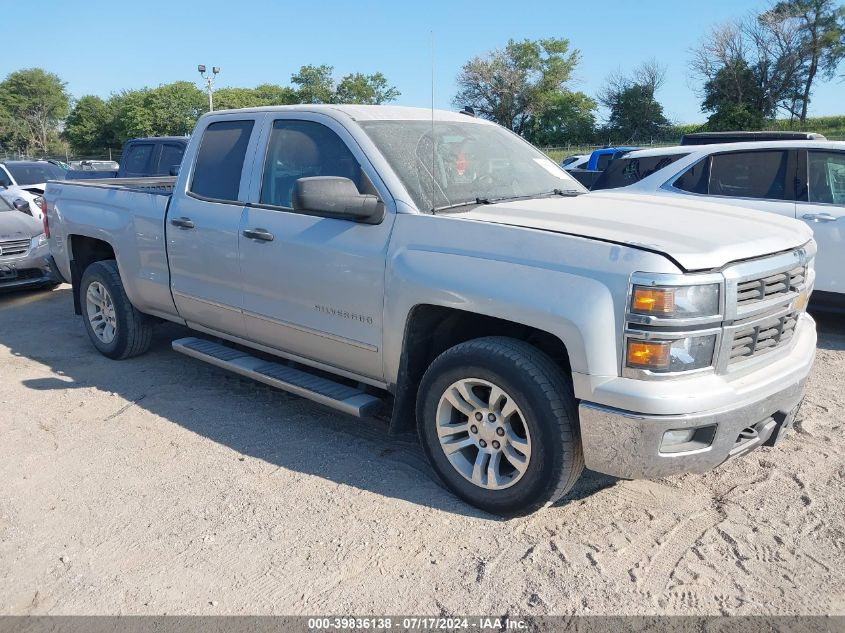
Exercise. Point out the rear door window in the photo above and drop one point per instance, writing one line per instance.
(171, 156)
(137, 158)
(827, 177)
(626, 171)
(220, 160)
(603, 161)
(749, 175)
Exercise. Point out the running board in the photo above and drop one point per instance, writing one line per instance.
(333, 394)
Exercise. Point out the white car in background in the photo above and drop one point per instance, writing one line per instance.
(25, 180)
(576, 161)
(796, 179)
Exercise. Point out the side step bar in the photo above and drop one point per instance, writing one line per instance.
(296, 381)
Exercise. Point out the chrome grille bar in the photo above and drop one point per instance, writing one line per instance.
(13, 247)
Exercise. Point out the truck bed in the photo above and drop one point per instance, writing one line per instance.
(130, 215)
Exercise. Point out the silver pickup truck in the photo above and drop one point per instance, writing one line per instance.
(438, 270)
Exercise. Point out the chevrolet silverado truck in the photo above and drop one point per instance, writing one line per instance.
(438, 271)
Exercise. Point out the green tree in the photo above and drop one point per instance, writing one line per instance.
(635, 113)
(34, 102)
(570, 117)
(735, 99)
(230, 98)
(735, 116)
(514, 84)
(88, 125)
(169, 109)
(367, 89)
(175, 108)
(272, 94)
(314, 84)
(263, 95)
(821, 25)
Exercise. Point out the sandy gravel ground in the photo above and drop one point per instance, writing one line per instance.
(163, 485)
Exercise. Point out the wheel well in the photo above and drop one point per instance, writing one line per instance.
(431, 330)
(84, 251)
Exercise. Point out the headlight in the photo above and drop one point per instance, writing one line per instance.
(667, 356)
(679, 302)
(38, 240)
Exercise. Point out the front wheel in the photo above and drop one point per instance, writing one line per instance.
(113, 324)
(497, 419)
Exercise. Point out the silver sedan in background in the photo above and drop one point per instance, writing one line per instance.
(24, 253)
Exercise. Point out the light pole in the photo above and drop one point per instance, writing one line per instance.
(209, 82)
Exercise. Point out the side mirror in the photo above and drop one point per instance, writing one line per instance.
(336, 197)
(174, 170)
(22, 205)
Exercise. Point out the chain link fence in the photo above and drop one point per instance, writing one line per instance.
(67, 157)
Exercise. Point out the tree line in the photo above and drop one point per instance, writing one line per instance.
(748, 72)
(38, 116)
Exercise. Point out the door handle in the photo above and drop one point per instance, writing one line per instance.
(258, 234)
(183, 223)
(819, 217)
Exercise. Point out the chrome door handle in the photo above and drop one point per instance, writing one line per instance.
(183, 223)
(819, 217)
(258, 234)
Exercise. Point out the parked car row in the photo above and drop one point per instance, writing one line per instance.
(586, 170)
(24, 252)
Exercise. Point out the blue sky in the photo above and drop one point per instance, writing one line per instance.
(103, 47)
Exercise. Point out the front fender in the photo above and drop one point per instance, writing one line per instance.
(571, 287)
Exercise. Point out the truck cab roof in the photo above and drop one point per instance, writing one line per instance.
(365, 112)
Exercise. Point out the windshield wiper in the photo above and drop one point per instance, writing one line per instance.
(466, 203)
(567, 193)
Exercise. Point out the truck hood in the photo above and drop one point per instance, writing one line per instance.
(15, 225)
(697, 235)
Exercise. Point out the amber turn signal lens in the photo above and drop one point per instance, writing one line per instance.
(653, 300)
(648, 355)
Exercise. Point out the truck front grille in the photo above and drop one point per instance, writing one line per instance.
(761, 337)
(13, 247)
(765, 288)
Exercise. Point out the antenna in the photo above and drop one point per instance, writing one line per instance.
(433, 146)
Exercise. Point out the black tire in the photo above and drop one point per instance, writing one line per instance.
(544, 395)
(133, 330)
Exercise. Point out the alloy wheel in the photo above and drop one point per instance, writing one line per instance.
(483, 433)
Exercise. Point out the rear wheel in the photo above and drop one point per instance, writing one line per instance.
(497, 420)
(113, 324)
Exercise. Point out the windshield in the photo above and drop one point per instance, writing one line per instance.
(34, 173)
(471, 162)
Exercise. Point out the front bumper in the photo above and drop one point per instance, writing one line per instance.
(632, 445)
(31, 270)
